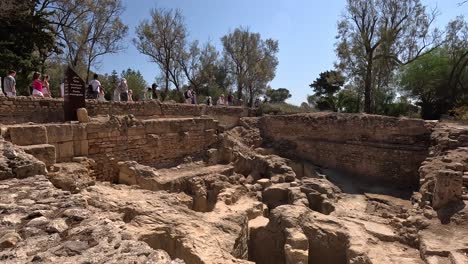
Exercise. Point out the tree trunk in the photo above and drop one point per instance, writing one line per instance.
(88, 69)
(239, 91)
(166, 89)
(251, 99)
(368, 86)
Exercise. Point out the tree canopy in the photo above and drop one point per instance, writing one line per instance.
(325, 88)
(375, 37)
(251, 61)
(279, 95)
(27, 36)
(163, 39)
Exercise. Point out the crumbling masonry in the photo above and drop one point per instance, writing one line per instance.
(147, 182)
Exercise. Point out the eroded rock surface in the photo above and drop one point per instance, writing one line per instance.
(238, 199)
(43, 224)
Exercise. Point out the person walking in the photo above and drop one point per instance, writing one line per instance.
(96, 85)
(221, 100)
(148, 94)
(62, 88)
(188, 95)
(102, 94)
(10, 84)
(130, 95)
(230, 99)
(209, 101)
(154, 88)
(257, 103)
(194, 97)
(37, 85)
(45, 86)
(123, 90)
(116, 97)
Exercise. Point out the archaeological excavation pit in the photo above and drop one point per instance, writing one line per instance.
(172, 183)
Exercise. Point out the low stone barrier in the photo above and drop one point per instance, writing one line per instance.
(21, 109)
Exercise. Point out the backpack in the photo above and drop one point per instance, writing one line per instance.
(186, 95)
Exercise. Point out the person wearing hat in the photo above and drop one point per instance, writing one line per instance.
(221, 100)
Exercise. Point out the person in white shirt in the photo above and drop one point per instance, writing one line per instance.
(96, 86)
(62, 89)
(10, 84)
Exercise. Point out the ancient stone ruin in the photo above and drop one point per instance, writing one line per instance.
(170, 183)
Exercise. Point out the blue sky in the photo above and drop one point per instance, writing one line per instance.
(306, 31)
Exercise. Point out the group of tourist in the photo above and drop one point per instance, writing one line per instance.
(191, 98)
(151, 92)
(223, 101)
(121, 92)
(39, 86)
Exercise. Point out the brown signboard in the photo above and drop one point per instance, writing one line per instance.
(74, 94)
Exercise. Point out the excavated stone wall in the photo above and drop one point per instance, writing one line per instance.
(382, 149)
(444, 174)
(149, 141)
(44, 110)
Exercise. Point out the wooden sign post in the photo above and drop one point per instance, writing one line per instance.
(74, 94)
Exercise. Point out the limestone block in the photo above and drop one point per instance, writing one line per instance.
(448, 187)
(295, 256)
(43, 152)
(136, 131)
(29, 169)
(81, 147)
(82, 114)
(59, 133)
(277, 195)
(265, 183)
(79, 132)
(66, 151)
(28, 135)
(156, 127)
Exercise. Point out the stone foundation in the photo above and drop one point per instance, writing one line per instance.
(382, 149)
(148, 142)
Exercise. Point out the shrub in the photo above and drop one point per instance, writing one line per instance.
(460, 113)
(280, 109)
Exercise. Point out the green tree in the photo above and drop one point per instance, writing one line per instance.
(163, 39)
(348, 100)
(325, 88)
(90, 29)
(250, 60)
(375, 37)
(426, 80)
(27, 36)
(135, 82)
(328, 83)
(439, 80)
(278, 95)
